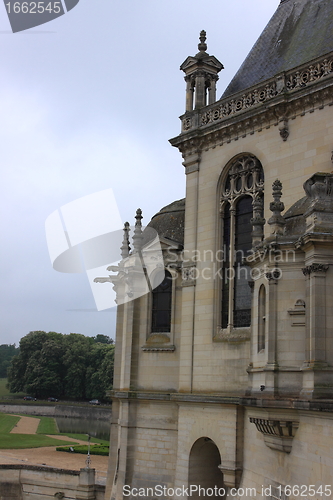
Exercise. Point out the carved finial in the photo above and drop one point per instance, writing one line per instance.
(202, 46)
(125, 247)
(277, 221)
(137, 237)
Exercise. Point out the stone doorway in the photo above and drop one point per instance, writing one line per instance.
(204, 469)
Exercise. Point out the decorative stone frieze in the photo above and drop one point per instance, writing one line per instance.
(291, 81)
(315, 268)
(272, 103)
(278, 434)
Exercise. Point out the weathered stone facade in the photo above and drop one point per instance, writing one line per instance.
(237, 392)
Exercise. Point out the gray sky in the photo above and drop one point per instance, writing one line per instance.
(88, 102)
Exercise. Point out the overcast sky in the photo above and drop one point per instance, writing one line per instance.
(88, 103)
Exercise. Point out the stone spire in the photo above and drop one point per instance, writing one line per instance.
(125, 248)
(201, 74)
(137, 237)
(277, 221)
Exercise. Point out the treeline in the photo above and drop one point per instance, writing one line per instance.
(62, 366)
(7, 352)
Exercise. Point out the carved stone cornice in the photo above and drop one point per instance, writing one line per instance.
(315, 268)
(272, 103)
(278, 434)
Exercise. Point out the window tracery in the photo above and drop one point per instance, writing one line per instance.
(241, 209)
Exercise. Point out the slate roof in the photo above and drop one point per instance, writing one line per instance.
(168, 222)
(299, 31)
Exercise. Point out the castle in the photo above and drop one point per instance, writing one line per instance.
(223, 381)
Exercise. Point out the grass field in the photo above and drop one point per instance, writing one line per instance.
(19, 441)
(16, 441)
(47, 425)
(7, 422)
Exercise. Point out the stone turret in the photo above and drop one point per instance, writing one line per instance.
(201, 73)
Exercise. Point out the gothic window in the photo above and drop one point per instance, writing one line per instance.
(161, 305)
(261, 318)
(242, 223)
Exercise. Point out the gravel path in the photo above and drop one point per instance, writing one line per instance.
(26, 425)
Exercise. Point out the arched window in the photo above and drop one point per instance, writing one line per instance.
(261, 318)
(242, 228)
(161, 305)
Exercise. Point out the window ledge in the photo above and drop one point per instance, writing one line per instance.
(233, 335)
(157, 342)
(158, 348)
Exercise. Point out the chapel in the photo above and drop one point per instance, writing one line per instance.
(224, 343)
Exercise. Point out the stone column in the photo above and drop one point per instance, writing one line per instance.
(186, 348)
(189, 93)
(200, 90)
(212, 91)
(231, 264)
(316, 314)
(271, 365)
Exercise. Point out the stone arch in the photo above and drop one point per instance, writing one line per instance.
(204, 472)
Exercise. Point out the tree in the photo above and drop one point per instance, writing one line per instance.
(7, 352)
(102, 339)
(63, 366)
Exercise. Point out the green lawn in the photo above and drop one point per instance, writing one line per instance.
(47, 425)
(18, 441)
(7, 423)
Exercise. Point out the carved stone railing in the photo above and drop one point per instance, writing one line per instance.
(284, 83)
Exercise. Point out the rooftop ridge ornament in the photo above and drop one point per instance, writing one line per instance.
(137, 237)
(277, 220)
(125, 247)
(202, 46)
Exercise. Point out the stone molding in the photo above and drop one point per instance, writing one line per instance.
(273, 103)
(278, 434)
(315, 268)
(149, 348)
